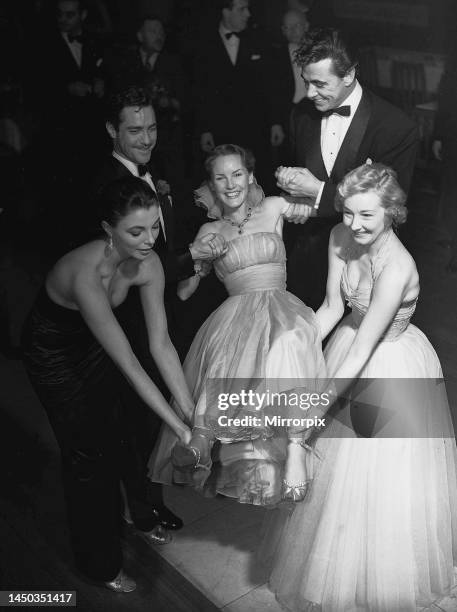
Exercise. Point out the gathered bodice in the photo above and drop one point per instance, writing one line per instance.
(359, 298)
(253, 262)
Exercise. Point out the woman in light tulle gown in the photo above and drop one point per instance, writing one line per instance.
(260, 339)
(377, 530)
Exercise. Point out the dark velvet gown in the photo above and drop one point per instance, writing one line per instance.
(77, 383)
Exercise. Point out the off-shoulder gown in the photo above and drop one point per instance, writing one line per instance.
(378, 530)
(261, 336)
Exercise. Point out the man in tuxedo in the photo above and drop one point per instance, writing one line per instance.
(131, 124)
(338, 127)
(159, 71)
(71, 64)
(66, 87)
(231, 86)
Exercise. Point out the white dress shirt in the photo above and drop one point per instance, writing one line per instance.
(231, 44)
(333, 131)
(300, 88)
(133, 168)
(75, 47)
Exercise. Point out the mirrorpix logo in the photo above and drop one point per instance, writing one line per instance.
(277, 408)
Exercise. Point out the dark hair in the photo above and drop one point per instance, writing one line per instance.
(148, 17)
(224, 4)
(120, 197)
(247, 158)
(82, 4)
(379, 179)
(118, 100)
(324, 43)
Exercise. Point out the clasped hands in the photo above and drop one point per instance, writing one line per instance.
(298, 182)
(208, 247)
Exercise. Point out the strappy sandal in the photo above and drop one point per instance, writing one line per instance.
(296, 491)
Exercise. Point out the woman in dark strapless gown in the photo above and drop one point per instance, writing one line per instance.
(75, 353)
(262, 338)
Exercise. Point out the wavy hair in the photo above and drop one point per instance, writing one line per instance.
(379, 179)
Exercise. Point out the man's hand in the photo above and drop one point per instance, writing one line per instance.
(79, 89)
(277, 135)
(211, 246)
(299, 213)
(299, 182)
(207, 142)
(437, 149)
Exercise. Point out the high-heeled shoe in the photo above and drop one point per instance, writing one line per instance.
(157, 535)
(296, 491)
(121, 584)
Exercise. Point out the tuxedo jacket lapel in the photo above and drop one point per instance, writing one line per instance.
(223, 57)
(347, 155)
(312, 143)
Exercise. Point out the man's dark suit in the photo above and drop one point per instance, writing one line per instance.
(165, 83)
(141, 426)
(61, 68)
(177, 263)
(125, 66)
(379, 132)
(231, 100)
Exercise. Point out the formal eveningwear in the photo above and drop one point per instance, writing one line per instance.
(378, 132)
(378, 529)
(260, 337)
(78, 385)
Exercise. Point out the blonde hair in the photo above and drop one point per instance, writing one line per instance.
(379, 179)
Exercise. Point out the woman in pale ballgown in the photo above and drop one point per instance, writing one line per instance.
(261, 338)
(377, 530)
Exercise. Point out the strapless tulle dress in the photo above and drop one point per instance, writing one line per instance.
(261, 336)
(378, 530)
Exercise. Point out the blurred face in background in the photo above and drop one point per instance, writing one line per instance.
(70, 17)
(236, 18)
(294, 26)
(152, 36)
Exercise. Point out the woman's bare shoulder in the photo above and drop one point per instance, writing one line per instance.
(340, 240)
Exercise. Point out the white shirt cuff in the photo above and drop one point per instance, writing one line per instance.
(319, 195)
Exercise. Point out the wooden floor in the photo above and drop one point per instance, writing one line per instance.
(34, 547)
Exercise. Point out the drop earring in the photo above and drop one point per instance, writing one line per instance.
(109, 246)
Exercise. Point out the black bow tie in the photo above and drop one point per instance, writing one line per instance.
(142, 170)
(78, 38)
(344, 111)
(229, 35)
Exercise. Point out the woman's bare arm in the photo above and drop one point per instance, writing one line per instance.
(92, 301)
(332, 308)
(188, 286)
(161, 347)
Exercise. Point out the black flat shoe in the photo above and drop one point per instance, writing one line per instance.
(167, 519)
